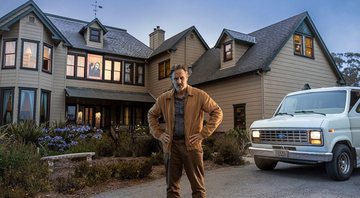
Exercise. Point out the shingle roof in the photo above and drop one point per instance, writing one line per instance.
(269, 41)
(237, 36)
(116, 41)
(171, 43)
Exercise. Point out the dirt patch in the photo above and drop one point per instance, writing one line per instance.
(64, 168)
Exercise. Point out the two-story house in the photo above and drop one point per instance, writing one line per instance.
(55, 68)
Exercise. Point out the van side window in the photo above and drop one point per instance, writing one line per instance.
(355, 95)
(358, 108)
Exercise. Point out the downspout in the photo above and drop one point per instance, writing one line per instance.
(261, 74)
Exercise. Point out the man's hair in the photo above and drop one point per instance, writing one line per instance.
(177, 67)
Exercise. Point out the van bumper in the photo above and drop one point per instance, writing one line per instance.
(289, 155)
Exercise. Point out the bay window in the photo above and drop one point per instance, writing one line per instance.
(29, 54)
(47, 58)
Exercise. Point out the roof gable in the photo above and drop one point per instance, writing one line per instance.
(96, 20)
(171, 43)
(25, 9)
(237, 36)
(269, 41)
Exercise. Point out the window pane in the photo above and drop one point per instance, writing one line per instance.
(44, 107)
(227, 52)
(107, 65)
(162, 70)
(308, 47)
(70, 65)
(10, 47)
(129, 72)
(80, 71)
(47, 59)
(29, 55)
(117, 71)
(167, 68)
(10, 60)
(108, 69)
(27, 103)
(297, 44)
(71, 110)
(7, 106)
(107, 75)
(94, 70)
(140, 74)
(117, 76)
(117, 66)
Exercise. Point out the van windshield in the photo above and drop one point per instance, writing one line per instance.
(327, 102)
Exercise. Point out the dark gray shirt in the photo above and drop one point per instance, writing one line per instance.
(179, 117)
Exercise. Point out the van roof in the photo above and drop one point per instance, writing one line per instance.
(324, 89)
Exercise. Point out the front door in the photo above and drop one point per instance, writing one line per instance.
(89, 116)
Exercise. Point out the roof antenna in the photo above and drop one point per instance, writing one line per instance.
(96, 7)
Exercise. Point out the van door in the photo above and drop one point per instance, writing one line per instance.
(354, 118)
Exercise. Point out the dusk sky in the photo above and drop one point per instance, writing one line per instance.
(338, 21)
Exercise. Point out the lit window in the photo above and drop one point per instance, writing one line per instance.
(227, 51)
(44, 106)
(80, 67)
(117, 71)
(94, 69)
(108, 68)
(7, 106)
(94, 35)
(27, 104)
(303, 45)
(47, 59)
(9, 54)
(129, 73)
(70, 65)
(29, 58)
(164, 69)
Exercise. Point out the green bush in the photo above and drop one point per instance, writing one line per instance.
(144, 145)
(105, 147)
(27, 131)
(124, 146)
(207, 151)
(157, 158)
(228, 151)
(22, 169)
(132, 169)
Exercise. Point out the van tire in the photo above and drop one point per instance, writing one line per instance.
(265, 164)
(342, 164)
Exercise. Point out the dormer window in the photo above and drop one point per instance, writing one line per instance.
(95, 35)
(228, 51)
(303, 45)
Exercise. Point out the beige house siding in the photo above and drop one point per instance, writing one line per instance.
(104, 85)
(238, 90)
(158, 86)
(290, 72)
(91, 43)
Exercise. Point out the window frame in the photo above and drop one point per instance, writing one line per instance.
(43, 91)
(22, 54)
(12, 90)
(76, 66)
(51, 58)
(111, 69)
(19, 102)
(74, 74)
(235, 106)
(231, 51)
(166, 72)
(98, 37)
(137, 74)
(303, 38)
(4, 53)
(88, 68)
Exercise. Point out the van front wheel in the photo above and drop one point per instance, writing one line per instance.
(265, 164)
(342, 164)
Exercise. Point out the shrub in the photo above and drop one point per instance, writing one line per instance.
(157, 158)
(21, 169)
(93, 174)
(132, 169)
(144, 145)
(207, 151)
(69, 185)
(105, 147)
(242, 137)
(228, 151)
(27, 131)
(124, 145)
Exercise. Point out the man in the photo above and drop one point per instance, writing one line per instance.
(182, 109)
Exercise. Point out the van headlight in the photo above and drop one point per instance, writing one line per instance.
(255, 136)
(315, 137)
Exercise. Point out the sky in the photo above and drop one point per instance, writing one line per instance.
(337, 21)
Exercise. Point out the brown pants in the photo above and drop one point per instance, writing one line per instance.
(192, 162)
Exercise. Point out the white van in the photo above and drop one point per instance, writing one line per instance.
(312, 126)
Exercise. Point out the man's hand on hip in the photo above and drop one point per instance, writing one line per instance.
(164, 138)
(196, 138)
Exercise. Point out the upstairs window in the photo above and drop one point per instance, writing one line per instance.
(80, 67)
(139, 75)
(29, 57)
(227, 51)
(95, 35)
(108, 70)
(94, 69)
(9, 54)
(117, 71)
(303, 45)
(164, 69)
(47, 58)
(129, 73)
(70, 65)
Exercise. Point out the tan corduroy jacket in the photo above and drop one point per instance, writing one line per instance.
(196, 103)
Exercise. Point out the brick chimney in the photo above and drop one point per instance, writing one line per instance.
(157, 37)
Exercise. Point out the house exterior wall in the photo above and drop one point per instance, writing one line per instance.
(245, 89)
(188, 50)
(290, 72)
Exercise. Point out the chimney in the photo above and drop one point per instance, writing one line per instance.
(157, 37)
